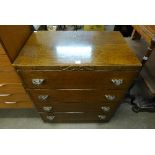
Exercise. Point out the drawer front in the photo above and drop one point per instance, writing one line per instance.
(11, 88)
(17, 104)
(5, 63)
(43, 97)
(9, 77)
(75, 117)
(103, 107)
(11, 97)
(77, 79)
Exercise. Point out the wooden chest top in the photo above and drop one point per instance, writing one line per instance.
(51, 50)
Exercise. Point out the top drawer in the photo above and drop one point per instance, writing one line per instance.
(77, 79)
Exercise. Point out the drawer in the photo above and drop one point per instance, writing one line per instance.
(11, 88)
(5, 63)
(9, 77)
(13, 97)
(103, 107)
(77, 79)
(18, 104)
(43, 97)
(66, 117)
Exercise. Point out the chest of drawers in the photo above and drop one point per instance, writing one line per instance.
(76, 76)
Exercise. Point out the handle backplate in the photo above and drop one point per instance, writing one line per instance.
(37, 82)
(42, 97)
(117, 82)
(50, 117)
(105, 108)
(102, 117)
(110, 97)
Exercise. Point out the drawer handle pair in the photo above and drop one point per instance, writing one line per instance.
(45, 97)
(110, 97)
(101, 117)
(117, 82)
(37, 82)
(4, 95)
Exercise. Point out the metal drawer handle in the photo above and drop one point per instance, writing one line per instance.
(1, 85)
(105, 108)
(37, 82)
(4, 95)
(50, 117)
(10, 102)
(102, 117)
(117, 82)
(110, 97)
(42, 97)
(47, 109)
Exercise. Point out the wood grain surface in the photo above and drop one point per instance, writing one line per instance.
(18, 105)
(78, 95)
(77, 69)
(76, 106)
(53, 49)
(1, 49)
(77, 80)
(11, 87)
(5, 63)
(13, 37)
(9, 77)
(146, 31)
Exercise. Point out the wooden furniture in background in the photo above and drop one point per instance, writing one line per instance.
(13, 37)
(12, 92)
(148, 71)
(77, 76)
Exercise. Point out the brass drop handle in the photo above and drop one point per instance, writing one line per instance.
(47, 108)
(105, 108)
(10, 102)
(37, 82)
(42, 97)
(1, 85)
(4, 95)
(117, 82)
(50, 117)
(102, 117)
(110, 97)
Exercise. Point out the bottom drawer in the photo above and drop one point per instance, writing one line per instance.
(74, 117)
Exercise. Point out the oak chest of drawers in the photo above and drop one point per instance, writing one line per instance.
(76, 76)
